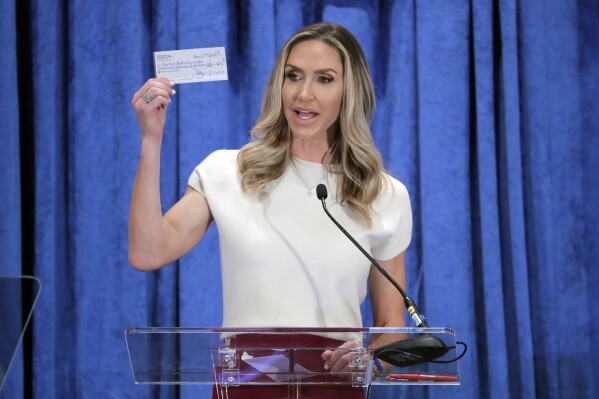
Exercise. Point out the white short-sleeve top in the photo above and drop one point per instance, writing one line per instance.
(284, 263)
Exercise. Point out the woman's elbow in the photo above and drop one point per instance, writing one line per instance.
(144, 262)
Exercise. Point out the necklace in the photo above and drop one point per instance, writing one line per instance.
(301, 178)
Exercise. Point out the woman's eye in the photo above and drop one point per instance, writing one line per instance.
(325, 79)
(293, 76)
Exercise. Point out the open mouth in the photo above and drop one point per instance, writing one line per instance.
(305, 115)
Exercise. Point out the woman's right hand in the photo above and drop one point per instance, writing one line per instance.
(152, 115)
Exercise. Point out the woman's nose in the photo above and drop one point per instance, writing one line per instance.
(306, 91)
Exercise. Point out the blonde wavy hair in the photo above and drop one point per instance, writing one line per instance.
(352, 154)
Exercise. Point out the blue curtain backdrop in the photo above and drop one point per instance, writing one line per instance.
(487, 110)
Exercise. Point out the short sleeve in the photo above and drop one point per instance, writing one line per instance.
(195, 179)
(393, 215)
(216, 170)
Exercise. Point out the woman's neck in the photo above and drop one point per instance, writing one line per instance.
(308, 150)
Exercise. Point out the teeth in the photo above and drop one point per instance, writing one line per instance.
(305, 114)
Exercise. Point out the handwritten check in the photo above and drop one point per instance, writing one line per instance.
(192, 65)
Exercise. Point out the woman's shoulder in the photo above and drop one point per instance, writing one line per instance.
(218, 167)
(393, 187)
(392, 193)
(223, 155)
(219, 159)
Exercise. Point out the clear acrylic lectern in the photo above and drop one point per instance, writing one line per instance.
(285, 356)
(18, 295)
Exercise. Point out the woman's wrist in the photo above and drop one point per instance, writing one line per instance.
(151, 145)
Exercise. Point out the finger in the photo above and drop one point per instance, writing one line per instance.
(326, 356)
(164, 81)
(158, 102)
(144, 88)
(154, 92)
(142, 107)
(164, 102)
(334, 356)
(159, 91)
(341, 350)
(159, 83)
(337, 358)
(342, 363)
(148, 98)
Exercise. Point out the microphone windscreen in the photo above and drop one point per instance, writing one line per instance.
(321, 191)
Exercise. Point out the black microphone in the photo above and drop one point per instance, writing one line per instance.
(410, 351)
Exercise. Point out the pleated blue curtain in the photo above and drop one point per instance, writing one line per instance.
(10, 176)
(487, 111)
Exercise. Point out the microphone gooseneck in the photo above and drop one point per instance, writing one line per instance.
(410, 351)
(417, 317)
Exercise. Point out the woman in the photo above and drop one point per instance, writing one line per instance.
(284, 263)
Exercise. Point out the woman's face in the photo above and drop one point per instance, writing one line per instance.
(313, 90)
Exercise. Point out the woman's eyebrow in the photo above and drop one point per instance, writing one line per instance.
(324, 70)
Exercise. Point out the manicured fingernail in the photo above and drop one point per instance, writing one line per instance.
(326, 366)
(173, 92)
(169, 100)
(171, 82)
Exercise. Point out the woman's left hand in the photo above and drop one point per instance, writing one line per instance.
(338, 360)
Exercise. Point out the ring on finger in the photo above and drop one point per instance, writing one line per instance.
(146, 97)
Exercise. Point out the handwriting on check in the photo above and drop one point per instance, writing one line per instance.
(173, 66)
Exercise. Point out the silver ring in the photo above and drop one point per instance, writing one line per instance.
(147, 98)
